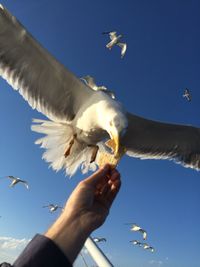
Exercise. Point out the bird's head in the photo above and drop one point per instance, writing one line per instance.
(116, 127)
(112, 118)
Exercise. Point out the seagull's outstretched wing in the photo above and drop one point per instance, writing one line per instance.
(25, 183)
(108, 32)
(49, 206)
(46, 206)
(11, 177)
(45, 83)
(123, 47)
(144, 234)
(189, 98)
(150, 139)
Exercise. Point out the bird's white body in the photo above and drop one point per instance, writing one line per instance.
(89, 126)
(92, 115)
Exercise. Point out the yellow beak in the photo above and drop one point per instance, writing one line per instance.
(115, 138)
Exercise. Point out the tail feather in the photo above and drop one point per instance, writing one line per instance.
(56, 141)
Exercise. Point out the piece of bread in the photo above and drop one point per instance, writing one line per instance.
(106, 157)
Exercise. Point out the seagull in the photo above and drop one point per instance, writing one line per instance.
(115, 41)
(136, 242)
(16, 180)
(97, 239)
(53, 207)
(80, 120)
(187, 95)
(146, 246)
(137, 228)
(89, 80)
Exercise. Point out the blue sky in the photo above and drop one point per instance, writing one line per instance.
(161, 60)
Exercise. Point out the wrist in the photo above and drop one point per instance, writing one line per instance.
(68, 235)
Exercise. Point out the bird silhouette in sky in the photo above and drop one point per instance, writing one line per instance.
(187, 95)
(115, 41)
(53, 207)
(16, 180)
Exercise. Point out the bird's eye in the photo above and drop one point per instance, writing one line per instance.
(111, 123)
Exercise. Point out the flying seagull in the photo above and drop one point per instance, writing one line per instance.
(146, 246)
(187, 95)
(136, 242)
(81, 119)
(89, 80)
(16, 180)
(97, 239)
(136, 228)
(52, 207)
(115, 41)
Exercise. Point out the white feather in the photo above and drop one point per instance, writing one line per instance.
(56, 141)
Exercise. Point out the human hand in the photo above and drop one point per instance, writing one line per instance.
(91, 200)
(85, 210)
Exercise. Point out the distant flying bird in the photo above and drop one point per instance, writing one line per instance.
(187, 95)
(136, 242)
(82, 119)
(148, 247)
(16, 180)
(89, 80)
(115, 41)
(53, 207)
(97, 239)
(137, 228)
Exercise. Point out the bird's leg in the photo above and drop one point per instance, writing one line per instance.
(94, 152)
(67, 152)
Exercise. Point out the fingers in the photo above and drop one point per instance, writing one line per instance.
(106, 183)
(108, 191)
(114, 175)
(115, 184)
(105, 188)
(99, 175)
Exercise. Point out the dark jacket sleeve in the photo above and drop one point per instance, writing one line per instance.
(42, 252)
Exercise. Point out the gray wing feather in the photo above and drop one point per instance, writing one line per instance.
(45, 83)
(150, 139)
